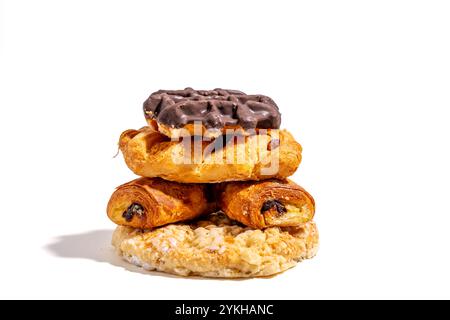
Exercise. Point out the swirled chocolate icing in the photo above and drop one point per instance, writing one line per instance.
(215, 109)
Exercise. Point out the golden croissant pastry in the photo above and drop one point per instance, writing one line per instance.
(149, 153)
(146, 203)
(266, 203)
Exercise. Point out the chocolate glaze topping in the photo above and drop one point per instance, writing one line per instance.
(213, 108)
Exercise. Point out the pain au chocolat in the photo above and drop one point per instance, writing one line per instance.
(151, 202)
(147, 203)
(263, 204)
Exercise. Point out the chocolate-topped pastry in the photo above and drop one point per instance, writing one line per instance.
(175, 112)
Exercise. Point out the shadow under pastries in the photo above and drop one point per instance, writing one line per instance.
(96, 246)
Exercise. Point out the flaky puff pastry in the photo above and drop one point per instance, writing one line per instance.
(146, 203)
(263, 204)
(149, 153)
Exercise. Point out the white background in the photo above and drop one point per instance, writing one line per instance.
(363, 85)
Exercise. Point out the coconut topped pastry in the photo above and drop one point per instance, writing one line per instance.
(216, 246)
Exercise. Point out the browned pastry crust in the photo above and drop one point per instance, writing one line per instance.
(147, 203)
(266, 203)
(149, 153)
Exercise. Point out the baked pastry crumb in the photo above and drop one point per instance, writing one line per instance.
(218, 247)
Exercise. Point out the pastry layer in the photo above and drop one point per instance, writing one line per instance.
(266, 203)
(149, 153)
(152, 202)
(217, 247)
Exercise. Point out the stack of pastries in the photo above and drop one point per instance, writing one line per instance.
(213, 199)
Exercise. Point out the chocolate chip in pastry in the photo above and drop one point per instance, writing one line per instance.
(147, 203)
(266, 203)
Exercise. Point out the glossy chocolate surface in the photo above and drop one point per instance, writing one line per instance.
(215, 109)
